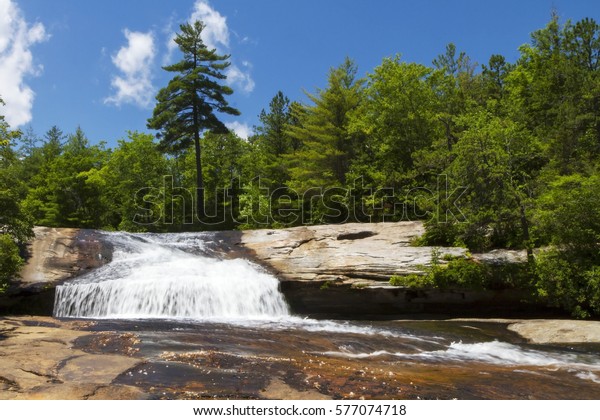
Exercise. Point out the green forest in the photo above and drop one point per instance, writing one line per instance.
(494, 155)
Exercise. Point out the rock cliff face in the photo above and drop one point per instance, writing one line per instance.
(354, 253)
(57, 254)
(54, 255)
(329, 270)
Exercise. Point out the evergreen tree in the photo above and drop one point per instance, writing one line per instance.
(327, 145)
(53, 143)
(60, 194)
(274, 137)
(189, 104)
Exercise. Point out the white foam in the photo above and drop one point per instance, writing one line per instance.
(585, 367)
(362, 355)
(589, 376)
(156, 277)
(500, 353)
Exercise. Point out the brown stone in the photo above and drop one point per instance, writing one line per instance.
(40, 362)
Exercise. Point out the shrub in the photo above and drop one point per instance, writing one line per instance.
(465, 273)
(326, 285)
(413, 281)
(568, 283)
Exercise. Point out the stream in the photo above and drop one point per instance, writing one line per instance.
(209, 327)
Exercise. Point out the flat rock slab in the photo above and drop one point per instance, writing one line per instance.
(38, 361)
(95, 368)
(558, 331)
(364, 251)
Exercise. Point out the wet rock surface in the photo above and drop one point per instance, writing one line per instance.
(44, 358)
(40, 361)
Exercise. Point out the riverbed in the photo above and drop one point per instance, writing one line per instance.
(290, 358)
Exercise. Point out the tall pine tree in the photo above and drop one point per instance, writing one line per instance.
(189, 104)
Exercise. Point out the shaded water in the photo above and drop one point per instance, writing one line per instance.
(214, 328)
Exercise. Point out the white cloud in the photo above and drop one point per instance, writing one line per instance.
(16, 62)
(171, 47)
(216, 34)
(170, 44)
(239, 78)
(216, 31)
(242, 130)
(134, 61)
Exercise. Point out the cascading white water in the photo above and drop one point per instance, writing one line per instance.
(163, 276)
(170, 276)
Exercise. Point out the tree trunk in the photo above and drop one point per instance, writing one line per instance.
(525, 228)
(199, 178)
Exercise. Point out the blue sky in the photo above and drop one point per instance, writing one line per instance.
(98, 64)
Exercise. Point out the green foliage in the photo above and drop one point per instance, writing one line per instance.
(568, 283)
(496, 161)
(10, 261)
(14, 219)
(322, 131)
(272, 136)
(440, 234)
(568, 214)
(267, 165)
(568, 272)
(555, 85)
(326, 285)
(466, 273)
(135, 167)
(15, 223)
(60, 193)
(255, 208)
(396, 119)
(462, 273)
(412, 281)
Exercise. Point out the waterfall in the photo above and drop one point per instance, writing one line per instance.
(169, 276)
